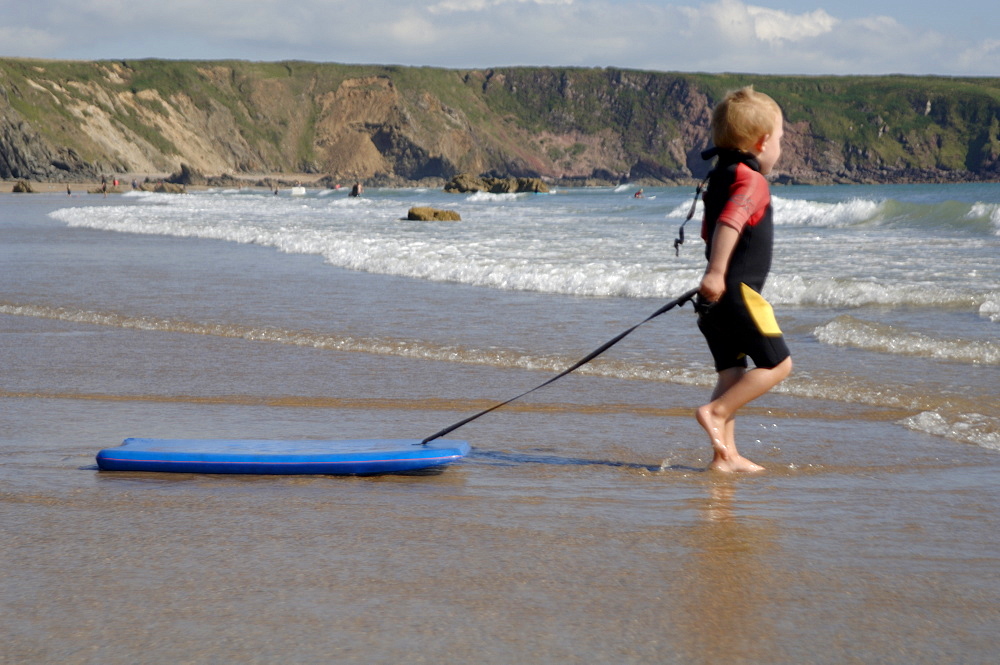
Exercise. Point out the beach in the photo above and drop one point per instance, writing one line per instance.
(583, 527)
(93, 187)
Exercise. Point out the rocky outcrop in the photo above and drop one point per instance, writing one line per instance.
(426, 214)
(466, 182)
(163, 187)
(187, 176)
(22, 187)
(24, 153)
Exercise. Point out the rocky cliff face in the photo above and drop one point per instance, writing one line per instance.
(396, 125)
(26, 154)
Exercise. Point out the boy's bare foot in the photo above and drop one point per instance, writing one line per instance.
(726, 458)
(737, 464)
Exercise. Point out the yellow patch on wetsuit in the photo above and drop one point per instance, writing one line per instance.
(760, 311)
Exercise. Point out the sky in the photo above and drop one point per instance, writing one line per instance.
(843, 37)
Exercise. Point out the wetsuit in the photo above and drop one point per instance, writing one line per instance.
(742, 323)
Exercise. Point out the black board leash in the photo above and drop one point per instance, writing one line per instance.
(679, 240)
(676, 302)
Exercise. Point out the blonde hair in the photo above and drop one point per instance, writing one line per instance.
(742, 118)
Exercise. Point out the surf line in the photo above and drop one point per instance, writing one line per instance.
(676, 302)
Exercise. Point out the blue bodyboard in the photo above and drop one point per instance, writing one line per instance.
(253, 456)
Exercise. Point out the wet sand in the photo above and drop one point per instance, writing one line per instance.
(583, 528)
(521, 554)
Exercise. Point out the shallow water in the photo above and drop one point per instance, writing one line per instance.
(582, 528)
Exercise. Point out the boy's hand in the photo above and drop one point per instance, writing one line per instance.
(713, 286)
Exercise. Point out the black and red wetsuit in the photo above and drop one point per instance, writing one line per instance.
(742, 323)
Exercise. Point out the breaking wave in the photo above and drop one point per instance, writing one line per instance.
(849, 331)
(584, 244)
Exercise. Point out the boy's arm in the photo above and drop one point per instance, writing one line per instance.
(713, 284)
(747, 203)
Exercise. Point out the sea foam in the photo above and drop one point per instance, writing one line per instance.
(849, 331)
(972, 428)
(586, 243)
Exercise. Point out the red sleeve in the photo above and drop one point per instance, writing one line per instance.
(749, 197)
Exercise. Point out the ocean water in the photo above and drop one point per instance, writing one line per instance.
(583, 526)
(891, 294)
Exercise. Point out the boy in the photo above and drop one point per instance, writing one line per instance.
(735, 320)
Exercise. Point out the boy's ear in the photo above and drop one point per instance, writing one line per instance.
(761, 142)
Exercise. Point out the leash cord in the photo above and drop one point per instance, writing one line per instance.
(677, 302)
(679, 240)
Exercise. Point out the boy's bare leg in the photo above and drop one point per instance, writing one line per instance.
(735, 388)
(722, 430)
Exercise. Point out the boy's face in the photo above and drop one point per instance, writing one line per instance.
(768, 148)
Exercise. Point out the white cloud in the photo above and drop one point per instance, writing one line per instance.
(771, 25)
(460, 6)
(412, 29)
(480, 5)
(736, 20)
(986, 53)
(28, 41)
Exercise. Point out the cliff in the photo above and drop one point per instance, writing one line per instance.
(399, 125)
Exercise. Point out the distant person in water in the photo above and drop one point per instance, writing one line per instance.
(357, 189)
(639, 194)
(738, 231)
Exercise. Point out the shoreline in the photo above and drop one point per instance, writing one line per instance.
(313, 181)
(90, 186)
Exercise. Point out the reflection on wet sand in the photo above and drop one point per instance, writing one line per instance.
(727, 582)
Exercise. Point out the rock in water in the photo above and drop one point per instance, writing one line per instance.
(425, 214)
(466, 182)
